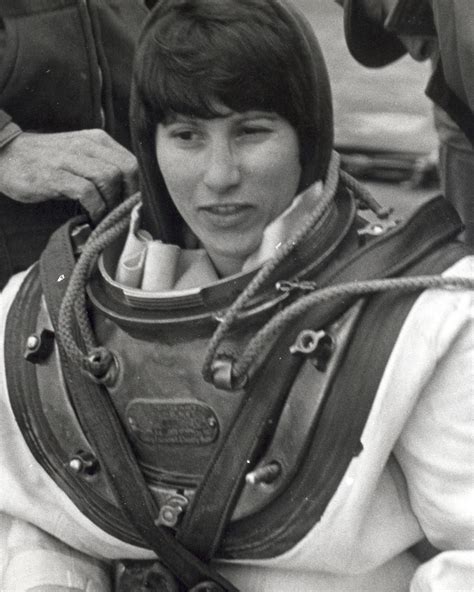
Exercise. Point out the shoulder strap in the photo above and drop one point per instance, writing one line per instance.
(204, 523)
(57, 264)
(289, 518)
(102, 426)
(103, 430)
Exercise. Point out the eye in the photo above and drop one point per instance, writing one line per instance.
(248, 130)
(253, 132)
(186, 136)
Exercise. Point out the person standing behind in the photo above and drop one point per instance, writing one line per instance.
(380, 31)
(65, 71)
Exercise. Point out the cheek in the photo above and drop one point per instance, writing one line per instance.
(177, 174)
(281, 171)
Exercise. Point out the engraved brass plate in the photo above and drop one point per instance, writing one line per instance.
(160, 422)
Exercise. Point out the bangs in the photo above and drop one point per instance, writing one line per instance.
(192, 66)
(173, 93)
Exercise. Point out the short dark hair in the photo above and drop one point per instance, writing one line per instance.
(195, 56)
(244, 54)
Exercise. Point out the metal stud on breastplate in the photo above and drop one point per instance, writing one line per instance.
(84, 464)
(318, 345)
(103, 366)
(265, 474)
(172, 510)
(38, 346)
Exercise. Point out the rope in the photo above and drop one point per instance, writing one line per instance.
(240, 367)
(350, 289)
(363, 195)
(232, 313)
(94, 360)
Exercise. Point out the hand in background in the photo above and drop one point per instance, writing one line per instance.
(88, 166)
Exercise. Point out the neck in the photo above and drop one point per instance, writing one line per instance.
(226, 266)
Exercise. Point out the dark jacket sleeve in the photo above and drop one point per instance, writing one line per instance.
(455, 26)
(8, 129)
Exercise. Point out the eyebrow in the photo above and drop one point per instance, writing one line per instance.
(259, 115)
(245, 116)
(176, 118)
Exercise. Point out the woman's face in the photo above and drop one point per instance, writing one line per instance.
(229, 177)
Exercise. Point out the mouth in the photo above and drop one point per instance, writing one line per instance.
(227, 215)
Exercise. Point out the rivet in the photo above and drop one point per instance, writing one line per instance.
(39, 346)
(75, 464)
(32, 342)
(168, 515)
(265, 474)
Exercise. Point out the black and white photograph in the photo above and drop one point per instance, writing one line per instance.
(236, 296)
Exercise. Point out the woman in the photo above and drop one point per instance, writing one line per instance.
(232, 405)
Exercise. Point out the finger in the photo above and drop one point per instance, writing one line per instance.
(85, 192)
(105, 147)
(127, 163)
(106, 177)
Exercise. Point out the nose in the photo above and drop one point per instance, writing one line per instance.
(222, 171)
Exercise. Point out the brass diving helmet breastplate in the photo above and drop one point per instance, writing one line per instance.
(175, 420)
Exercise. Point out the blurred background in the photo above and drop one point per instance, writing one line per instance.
(383, 120)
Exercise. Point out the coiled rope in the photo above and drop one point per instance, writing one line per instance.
(268, 267)
(273, 328)
(241, 366)
(96, 360)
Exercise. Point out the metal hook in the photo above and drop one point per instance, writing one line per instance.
(289, 286)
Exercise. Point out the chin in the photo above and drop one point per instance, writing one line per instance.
(235, 250)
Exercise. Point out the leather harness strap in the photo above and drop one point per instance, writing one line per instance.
(203, 526)
(215, 499)
(102, 427)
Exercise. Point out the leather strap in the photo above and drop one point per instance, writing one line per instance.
(102, 427)
(346, 406)
(56, 266)
(204, 522)
(103, 430)
(94, 408)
